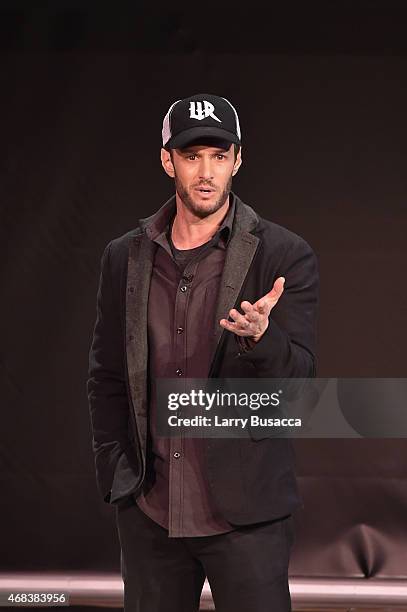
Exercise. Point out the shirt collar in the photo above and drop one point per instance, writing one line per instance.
(158, 224)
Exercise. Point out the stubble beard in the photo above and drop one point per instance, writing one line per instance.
(202, 210)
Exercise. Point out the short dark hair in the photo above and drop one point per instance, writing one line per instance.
(236, 149)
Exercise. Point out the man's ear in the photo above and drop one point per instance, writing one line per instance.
(237, 163)
(167, 162)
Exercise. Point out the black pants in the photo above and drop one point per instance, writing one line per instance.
(247, 569)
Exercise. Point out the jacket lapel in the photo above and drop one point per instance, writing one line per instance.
(241, 250)
(239, 256)
(140, 265)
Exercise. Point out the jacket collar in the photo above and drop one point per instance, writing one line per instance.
(240, 217)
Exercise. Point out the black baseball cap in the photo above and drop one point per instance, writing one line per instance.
(200, 117)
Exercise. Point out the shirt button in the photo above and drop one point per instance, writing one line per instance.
(178, 372)
(180, 330)
(183, 289)
(177, 455)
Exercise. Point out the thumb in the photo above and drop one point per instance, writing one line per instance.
(266, 303)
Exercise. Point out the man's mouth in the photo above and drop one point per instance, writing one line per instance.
(204, 189)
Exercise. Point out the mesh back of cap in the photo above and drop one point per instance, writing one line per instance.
(166, 131)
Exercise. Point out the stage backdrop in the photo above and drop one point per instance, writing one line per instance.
(324, 154)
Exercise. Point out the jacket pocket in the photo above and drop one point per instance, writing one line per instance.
(127, 476)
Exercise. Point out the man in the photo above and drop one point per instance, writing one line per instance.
(203, 288)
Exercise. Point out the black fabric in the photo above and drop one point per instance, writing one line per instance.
(184, 256)
(247, 569)
(257, 482)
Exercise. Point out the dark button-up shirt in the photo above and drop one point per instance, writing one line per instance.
(181, 309)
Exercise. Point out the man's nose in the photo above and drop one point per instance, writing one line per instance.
(205, 169)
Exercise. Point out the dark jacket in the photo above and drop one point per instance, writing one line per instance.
(251, 479)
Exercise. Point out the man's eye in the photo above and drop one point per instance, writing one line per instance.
(192, 157)
(220, 156)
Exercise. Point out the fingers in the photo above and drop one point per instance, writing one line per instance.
(251, 313)
(240, 325)
(248, 324)
(240, 319)
(231, 326)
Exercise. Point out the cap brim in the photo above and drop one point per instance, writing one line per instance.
(193, 134)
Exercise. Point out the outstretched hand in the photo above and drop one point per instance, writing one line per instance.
(254, 322)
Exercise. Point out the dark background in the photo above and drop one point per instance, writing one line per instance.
(321, 91)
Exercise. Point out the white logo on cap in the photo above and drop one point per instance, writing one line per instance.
(197, 112)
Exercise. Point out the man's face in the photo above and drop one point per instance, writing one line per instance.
(203, 176)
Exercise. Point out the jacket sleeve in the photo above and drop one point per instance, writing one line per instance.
(106, 385)
(287, 348)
